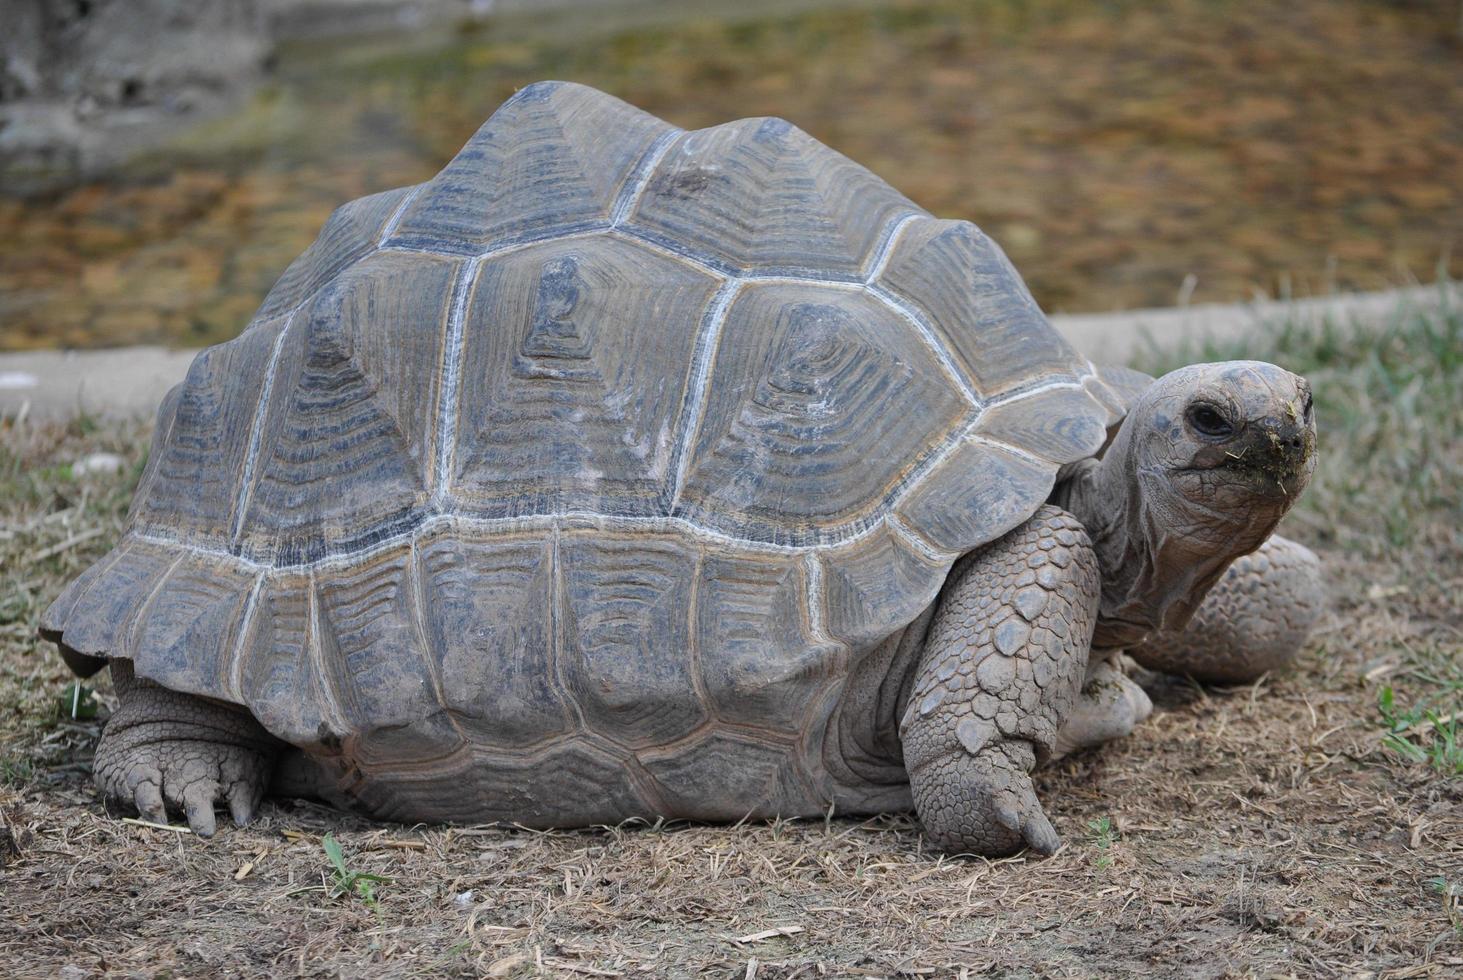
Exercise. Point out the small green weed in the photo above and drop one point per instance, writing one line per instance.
(1103, 835)
(1452, 895)
(347, 882)
(1421, 734)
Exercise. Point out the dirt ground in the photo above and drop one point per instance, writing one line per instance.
(1310, 825)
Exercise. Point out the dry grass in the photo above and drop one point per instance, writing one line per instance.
(1255, 831)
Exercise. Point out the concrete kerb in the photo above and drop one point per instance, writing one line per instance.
(131, 381)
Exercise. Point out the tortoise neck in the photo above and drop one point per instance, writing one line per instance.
(1152, 576)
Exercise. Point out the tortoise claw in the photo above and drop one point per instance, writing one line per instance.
(198, 805)
(1028, 819)
(242, 802)
(148, 798)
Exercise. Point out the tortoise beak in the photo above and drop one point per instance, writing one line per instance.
(1279, 448)
(1288, 451)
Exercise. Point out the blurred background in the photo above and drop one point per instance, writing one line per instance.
(162, 162)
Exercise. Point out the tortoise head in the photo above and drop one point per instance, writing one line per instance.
(1223, 450)
(1208, 460)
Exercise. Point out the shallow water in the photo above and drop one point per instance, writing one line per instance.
(1122, 152)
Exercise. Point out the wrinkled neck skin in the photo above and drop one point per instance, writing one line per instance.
(1159, 556)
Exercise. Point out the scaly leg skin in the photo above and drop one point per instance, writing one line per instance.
(1005, 658)
(1110, 706)
(1254, 620)
(167, 751)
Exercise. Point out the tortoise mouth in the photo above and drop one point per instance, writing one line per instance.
(1265, 475)
(1257, 478)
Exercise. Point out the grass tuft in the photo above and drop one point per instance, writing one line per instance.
(357, 884)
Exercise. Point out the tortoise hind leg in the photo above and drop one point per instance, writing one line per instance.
(168, 751)
(1005, 657)
(1254, 620)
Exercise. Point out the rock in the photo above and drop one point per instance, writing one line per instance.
(84, 85)
(98, 463)
(17, 380)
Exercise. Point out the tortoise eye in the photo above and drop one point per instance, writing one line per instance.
(1207, 421)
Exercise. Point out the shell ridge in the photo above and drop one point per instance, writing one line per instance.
(917, 541)
(426, 245)
(448, 397)
(696, 393)
(417, 599)
(129, 641)
(1031, 391)
(328, 700)
(879, 261)
(927, 336)
(393, 222)
(693, 645)
(675, 250)
(256, 436)
(246, 624)
(644, 172)
(559, 603)
(813, 573)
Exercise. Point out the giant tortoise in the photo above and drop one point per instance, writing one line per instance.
(625, 472)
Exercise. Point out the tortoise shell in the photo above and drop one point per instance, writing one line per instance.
(609, 447)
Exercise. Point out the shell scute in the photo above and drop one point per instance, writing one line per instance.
(101, 607)
(629, 657)
(762, 195)
(192, 487)
(553, 159)
(767, 666)
(876, 584)
(492, 628)
(730, 776)
(280, 679)
(580, 354)
(374, 645)
(190, 631)
(976, 494)
(810, 389)
(1060, 424)
(978, 306)
(345, 444)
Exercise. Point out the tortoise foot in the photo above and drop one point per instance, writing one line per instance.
(1110, 706)
(166, 753)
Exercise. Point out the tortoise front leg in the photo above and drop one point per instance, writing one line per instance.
(168, 751)
(1005, 658)
(1254, 620)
